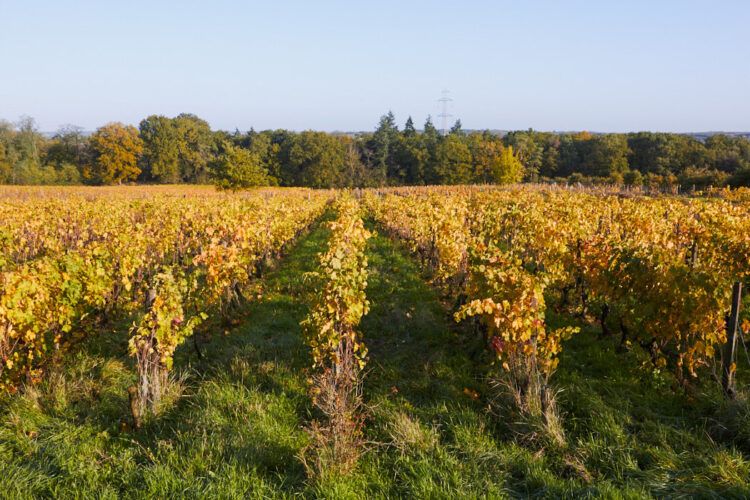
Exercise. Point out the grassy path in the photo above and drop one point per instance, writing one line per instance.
(434, 439)
(237, 429)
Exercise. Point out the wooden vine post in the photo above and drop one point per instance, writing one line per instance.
(730, 348)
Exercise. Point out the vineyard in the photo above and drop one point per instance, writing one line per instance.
(402, 342)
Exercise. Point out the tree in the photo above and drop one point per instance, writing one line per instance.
(483, 153)
(383, 144)
(263, 144)
(493, 162)
(456, 128)
(702, 178)
(26, 148)
(6, 169)
(28, 139)
(161, 153)
(633, 178)
(117, 149)
(551, 159)
(664, 153)
(238, 168)
(282, 142)
(8, 154)
(409, 130)
(316, 159)
(413, 156)
(195, 143)
(410, 155)
(605, 155)
(354, 173)
(569, 161)
(454, 161)
(430, 130)
(728, 154)
(69, 146)
(431, 140)
(530, 152)
(740, 178)
(507, 168)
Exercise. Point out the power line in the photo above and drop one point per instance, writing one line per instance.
(444, 115)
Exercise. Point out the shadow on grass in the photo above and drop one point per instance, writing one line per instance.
(420, 384)
(414, 354)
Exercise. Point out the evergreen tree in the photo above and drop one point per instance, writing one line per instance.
(409, 130)
(456, 128)
(431, 140)
(382, 145)
(430, 131)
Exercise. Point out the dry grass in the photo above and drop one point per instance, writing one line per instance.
(530, 410)
(409, 436)
(336, 441)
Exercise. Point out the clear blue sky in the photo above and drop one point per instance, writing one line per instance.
(338, 65)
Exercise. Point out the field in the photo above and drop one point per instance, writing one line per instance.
(426, 342)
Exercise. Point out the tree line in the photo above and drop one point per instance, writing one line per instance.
(184, 149)
(649, 158)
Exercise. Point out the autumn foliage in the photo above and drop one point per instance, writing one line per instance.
(117, 148)
(338, 353)
(658, 271)
(71, 263)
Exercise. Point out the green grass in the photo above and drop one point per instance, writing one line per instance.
(237, 427)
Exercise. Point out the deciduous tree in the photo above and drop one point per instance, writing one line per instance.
(238, 168)
(117, 149)
(161, 153)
